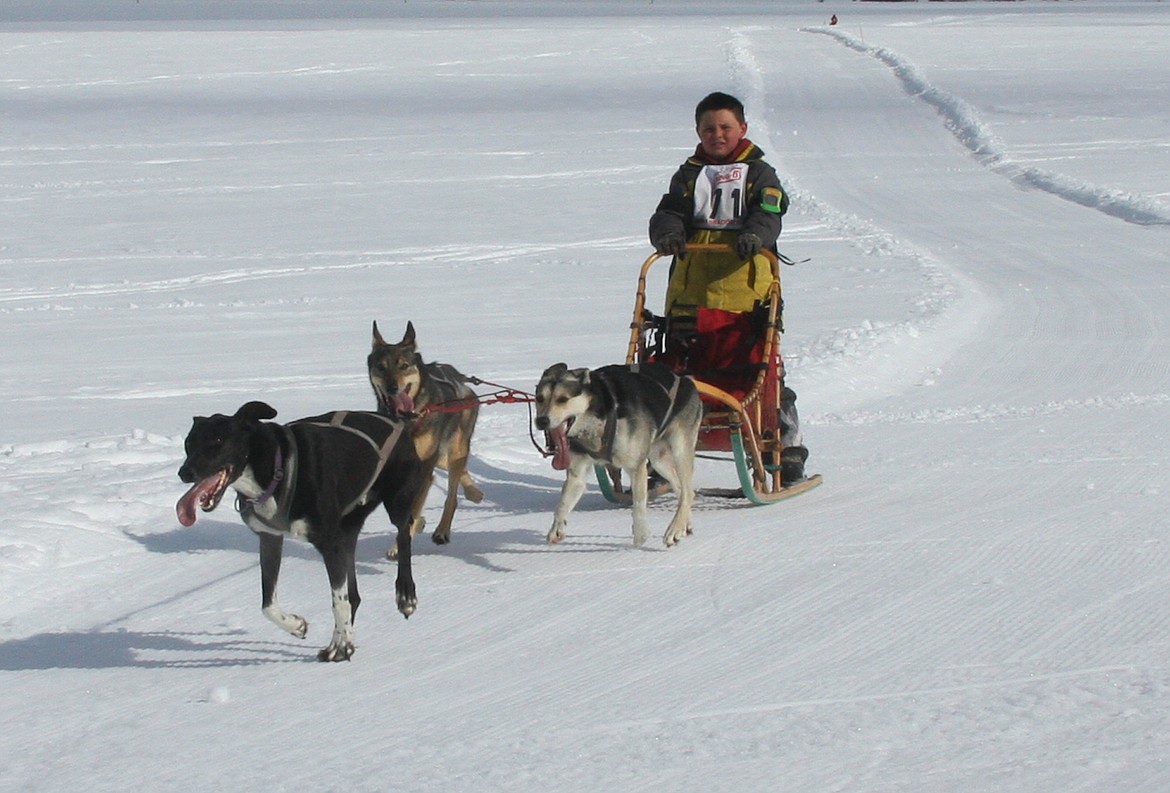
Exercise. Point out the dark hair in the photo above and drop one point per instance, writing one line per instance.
(719, 101)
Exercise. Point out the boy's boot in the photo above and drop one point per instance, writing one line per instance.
(792, 465)
(794, 454)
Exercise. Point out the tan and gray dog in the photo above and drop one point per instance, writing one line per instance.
(443, 409)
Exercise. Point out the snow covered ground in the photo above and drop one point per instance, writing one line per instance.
(207, 203)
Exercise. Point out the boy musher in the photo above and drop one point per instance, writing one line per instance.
(725, 193)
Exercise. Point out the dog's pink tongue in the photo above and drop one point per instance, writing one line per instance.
(403, 403)
(186, 506)
(560, 439)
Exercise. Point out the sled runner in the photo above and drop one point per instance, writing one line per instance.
(734, 359)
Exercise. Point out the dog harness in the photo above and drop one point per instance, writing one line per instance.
(282, 488)
(609, 432)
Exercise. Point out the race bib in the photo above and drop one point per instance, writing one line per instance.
(720, 192)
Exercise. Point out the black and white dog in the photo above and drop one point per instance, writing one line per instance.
(317, 479)
(628, 416)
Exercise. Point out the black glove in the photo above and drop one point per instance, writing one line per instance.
(747, 245)
(671, 245)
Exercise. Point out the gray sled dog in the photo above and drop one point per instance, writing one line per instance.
(317, 479)
(409, 389)
(628, 416)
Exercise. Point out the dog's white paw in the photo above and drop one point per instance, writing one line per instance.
(293, 623)
(338, 651)
(555, 536)
(641, 534)
(407, 604)
(674, 535)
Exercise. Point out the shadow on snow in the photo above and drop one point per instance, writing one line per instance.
(507, 492)
(164, 649)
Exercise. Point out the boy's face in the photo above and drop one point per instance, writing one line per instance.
(720, 132)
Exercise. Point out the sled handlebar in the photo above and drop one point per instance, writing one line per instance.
(715, 247)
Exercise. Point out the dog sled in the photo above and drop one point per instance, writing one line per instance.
(734, 360)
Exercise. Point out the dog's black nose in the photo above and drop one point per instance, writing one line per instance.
(185, 474)
(542, 422)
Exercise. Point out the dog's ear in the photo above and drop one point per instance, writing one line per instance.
(555, 371)
(581, 374)
(378, 340)
(408, 337)
(256, 411)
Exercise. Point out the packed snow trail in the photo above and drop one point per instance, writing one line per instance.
(974, 600)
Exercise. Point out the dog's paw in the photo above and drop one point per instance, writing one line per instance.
(555, 536)
(441, 537)
(407, 603)
(472, 494)
(293, 623)
(336, 652)
(640, 536)
(675, 532)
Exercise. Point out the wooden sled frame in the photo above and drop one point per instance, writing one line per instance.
(756, 453)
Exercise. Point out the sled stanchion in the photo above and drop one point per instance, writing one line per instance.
(638, 323)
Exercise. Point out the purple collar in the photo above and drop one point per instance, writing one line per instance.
(277, 476)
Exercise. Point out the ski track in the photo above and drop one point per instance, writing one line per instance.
(965, 124)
